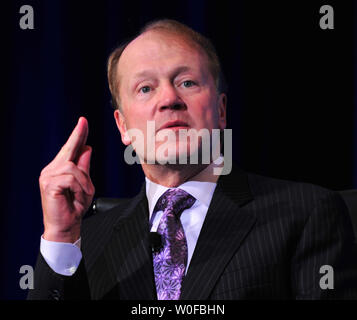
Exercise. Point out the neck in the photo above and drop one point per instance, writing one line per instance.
(171, 176)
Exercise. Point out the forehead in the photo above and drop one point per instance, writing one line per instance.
(158, 49)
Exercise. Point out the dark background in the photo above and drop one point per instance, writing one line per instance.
(291, 98)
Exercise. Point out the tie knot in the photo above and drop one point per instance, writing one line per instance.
(175, 200)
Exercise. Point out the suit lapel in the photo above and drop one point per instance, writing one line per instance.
(222, 233)
(128, 252)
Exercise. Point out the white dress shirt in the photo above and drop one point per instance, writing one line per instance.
(64, 258)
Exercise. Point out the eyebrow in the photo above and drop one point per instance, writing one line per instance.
(175, 72)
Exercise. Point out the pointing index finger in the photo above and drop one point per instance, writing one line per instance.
(77, 139)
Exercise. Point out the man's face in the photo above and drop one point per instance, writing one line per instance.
(163, 78)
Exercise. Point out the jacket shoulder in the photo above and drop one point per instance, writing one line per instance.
(262, 185)
(302, 196)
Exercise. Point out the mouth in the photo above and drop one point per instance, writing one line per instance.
(175, 125)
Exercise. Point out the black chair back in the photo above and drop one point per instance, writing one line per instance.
(104, 204)
(350, 197)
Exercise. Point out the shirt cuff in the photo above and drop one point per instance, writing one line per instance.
(63, 258)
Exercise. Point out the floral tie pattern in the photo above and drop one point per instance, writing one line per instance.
(170, 262)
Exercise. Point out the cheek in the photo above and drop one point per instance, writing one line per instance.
(137, 122)
(204, 111)
(137, 117)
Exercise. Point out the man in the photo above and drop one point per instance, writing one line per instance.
(235, 236)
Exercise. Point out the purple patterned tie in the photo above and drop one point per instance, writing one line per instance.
(170, 262)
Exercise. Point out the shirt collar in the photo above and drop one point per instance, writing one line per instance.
(200, 186)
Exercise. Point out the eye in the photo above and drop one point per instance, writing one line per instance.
(145, 89)
(188, 83)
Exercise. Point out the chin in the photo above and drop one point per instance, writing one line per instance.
(179, 153)
(170, 154)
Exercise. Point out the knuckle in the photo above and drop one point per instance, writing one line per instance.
(69, 166)
(43, 181)
(43, 171)
(46, 187)
(71, 180)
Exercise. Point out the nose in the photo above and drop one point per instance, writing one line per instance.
(169, 99)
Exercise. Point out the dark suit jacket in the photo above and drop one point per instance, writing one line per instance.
(262, 238)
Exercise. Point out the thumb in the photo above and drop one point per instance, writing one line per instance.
(83, 160)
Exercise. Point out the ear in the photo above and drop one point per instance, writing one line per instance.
(121, 124)
(222, 117)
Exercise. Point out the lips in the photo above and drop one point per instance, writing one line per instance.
(177, 124)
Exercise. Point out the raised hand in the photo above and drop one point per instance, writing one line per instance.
(66, 188)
